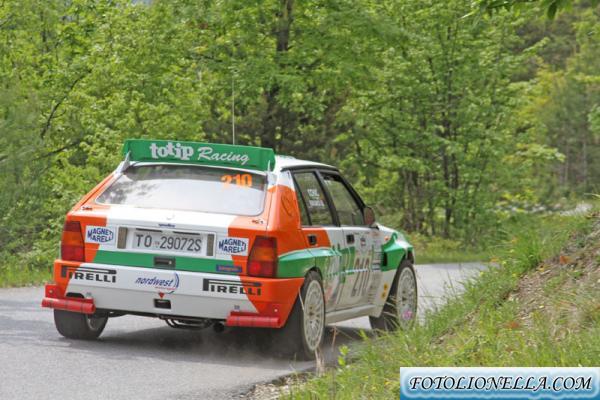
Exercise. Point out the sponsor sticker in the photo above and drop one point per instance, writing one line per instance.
(316, 203)
(164, 286)
(500, 383)
(363, 242)
(100, 235)
(185, 153)
(230, 269)
(89, 274)
(231, 287)
(232, 246)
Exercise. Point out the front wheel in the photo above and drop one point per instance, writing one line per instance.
(303, 332)
(400, 309)
(79, 326)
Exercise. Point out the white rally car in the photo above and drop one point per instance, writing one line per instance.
(204, 234)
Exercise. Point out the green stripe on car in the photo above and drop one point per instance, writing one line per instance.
(146, 260)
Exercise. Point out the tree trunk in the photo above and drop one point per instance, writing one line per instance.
(272, 120)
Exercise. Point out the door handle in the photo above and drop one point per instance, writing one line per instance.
(312, 240)
(350, 238)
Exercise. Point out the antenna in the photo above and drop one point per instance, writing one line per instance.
(232, 109)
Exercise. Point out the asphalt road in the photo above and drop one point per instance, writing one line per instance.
(142, 358)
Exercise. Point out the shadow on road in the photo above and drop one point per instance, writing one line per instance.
(234, 346)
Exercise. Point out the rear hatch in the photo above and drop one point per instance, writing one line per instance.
(177, 216)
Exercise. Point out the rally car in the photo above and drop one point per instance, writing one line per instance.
(201, 234)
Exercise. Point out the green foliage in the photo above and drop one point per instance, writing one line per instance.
(549, 7)
(561, 111)
(429, 137)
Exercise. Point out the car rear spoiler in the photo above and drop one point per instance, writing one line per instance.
(221, 155)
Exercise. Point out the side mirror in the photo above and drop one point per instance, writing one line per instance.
(369, 216)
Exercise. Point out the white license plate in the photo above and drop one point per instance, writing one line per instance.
(163, 241)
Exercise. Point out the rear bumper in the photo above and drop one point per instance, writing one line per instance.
(237, 300)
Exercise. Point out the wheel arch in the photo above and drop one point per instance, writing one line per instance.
(395, 255)
(395, 250)
(410, 255)
(297, 264)
(317, 270)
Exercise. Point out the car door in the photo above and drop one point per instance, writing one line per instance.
(323, 235)
(362, 274)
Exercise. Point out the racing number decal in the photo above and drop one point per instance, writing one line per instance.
(238, 179)
(361, 283)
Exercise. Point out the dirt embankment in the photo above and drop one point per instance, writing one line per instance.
(565, 290)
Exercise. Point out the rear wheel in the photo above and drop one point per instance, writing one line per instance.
(400, 309)
(79, 326)
(303, 332)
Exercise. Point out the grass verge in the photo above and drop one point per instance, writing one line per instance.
(537, 308)
(30, 268)
(12, 276)
(430, 250)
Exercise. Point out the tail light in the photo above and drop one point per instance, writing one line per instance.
(72, 247)
(263, 257)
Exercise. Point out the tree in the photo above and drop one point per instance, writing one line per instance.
(551, 7)
(434, 134)
(562, 109)
(293, 65)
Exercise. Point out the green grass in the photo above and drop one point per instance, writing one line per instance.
(28, 268)
(439, 250)
(14, 276)
(487, 326)
(435, 249)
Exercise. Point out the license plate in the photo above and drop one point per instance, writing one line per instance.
(162, 241)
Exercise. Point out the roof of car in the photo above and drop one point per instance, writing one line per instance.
(284, 162)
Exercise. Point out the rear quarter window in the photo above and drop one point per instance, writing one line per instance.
(189, 188)
(314, 198)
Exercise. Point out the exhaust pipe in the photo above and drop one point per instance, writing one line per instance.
(218, 327)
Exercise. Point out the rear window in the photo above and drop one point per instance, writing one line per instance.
(190, 188)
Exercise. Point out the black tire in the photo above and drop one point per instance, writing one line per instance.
(292, 339)
(391, 317)
(79, 326)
